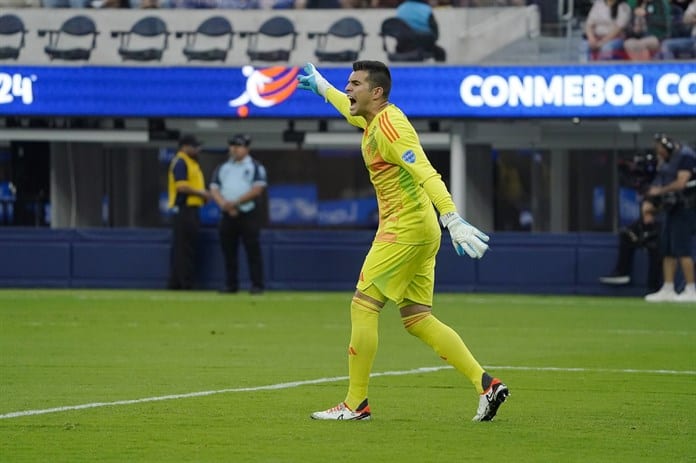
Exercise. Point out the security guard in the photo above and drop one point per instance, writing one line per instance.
(236, 186)
(186, 195)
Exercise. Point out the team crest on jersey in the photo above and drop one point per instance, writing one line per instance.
(370, 149)
(409, 157)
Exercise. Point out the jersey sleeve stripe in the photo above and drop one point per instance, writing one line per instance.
(388, 128)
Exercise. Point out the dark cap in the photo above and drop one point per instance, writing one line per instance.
(189, 139)
(241, 139)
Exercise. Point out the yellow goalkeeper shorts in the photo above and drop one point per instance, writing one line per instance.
(401, 271)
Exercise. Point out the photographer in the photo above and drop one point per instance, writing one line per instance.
(669, 192)
(638, 174)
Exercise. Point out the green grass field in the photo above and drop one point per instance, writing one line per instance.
(591, 380)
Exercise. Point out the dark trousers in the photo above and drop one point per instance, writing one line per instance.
(185, 226)
(247, 227)
(637, 236)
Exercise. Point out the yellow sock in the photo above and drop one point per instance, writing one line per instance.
(364, 317)
(447, 343)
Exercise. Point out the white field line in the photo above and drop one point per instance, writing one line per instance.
(334, 379)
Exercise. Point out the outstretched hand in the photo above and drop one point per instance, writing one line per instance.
(312, 80)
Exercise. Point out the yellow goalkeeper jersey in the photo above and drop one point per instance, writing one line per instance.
(398, 169)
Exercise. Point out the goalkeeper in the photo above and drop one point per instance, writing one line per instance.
(400, 265)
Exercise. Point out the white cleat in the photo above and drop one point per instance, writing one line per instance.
(343, 412)
(490, 401)
(615, 280)
(663, 295)
(688, 295)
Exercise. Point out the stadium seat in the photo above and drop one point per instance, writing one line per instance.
(149, 30)
(274, 29)
(75, 28)
(215, 27)
(11, 25)
(346, 31)
(401, 43)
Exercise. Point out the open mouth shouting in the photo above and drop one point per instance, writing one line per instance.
(352, 101)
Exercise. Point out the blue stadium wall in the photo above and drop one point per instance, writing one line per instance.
(568, 263)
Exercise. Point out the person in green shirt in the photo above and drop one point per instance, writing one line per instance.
(650, 24)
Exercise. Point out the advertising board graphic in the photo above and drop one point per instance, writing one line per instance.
(589, 90)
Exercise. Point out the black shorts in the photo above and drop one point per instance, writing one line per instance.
(677, 232)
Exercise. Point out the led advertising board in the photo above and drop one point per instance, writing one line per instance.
(589, 90)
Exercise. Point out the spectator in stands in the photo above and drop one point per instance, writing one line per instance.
(21, 4)
(385, 3)
(643, 233)
(677, 27)
(64, 3)
(320, 4)
(418, 14)
(650, 24)
(581, 8)
(684, 45)
(225, 4)
(276, 4)
(465, 3)
(110, 4)
(187, 194)
(605, 28)
(193, 4)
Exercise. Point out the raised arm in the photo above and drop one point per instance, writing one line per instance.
(315, 82)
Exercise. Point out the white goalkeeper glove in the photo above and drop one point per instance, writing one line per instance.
(313, 81)
(465, 237)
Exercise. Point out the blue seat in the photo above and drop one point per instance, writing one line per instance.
(213, 27)
(11, 25)
(343, 33)
(277, 27)
(149, 27)
(77, 26)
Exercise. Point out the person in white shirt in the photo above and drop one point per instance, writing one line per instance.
(605, 29)
(236, 186)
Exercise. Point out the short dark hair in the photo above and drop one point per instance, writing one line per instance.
(189, 139)
(378, 74)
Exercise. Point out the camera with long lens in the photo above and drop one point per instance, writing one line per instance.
(639, 171)
(685, 198)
